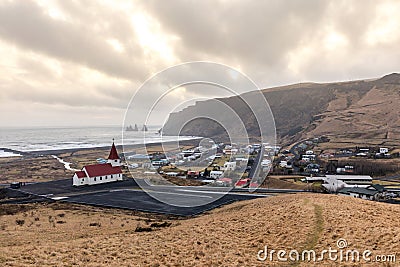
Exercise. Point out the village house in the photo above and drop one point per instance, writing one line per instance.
(243, 183)
(100, 173)
(333, 183)
(308, 158)
(229, 166)
(224, 182)
(372, 192)
(241, 162)
(383, 150)
(172, 174)
(216, 174)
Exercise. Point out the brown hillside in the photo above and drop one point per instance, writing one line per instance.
(228, 236)
(358, 109)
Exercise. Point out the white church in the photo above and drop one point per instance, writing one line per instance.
(100, 173)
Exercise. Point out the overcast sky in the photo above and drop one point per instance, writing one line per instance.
(79, 62)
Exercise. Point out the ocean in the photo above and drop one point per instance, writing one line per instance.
(41, 139)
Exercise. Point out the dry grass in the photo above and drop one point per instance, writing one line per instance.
(46, 168)
(228, 236)
(372, 118)
(28, 169)
(276, 182)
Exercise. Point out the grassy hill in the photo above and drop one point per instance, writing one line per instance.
(365, 109)
(69, 235)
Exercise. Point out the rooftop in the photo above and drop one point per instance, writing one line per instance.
(102, 170)
(113, 153)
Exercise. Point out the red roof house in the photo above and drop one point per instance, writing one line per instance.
(243, 182)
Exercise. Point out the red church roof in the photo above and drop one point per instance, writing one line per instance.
(102, 170)
(113, 153)
(80, 174)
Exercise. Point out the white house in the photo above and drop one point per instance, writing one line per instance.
(100, 173)
(283, 164)
(308, 158)
(241, 161)
(172, 174)
(383, 150)
(216, 174)
(229, 166)
(333, 183)
(230, 151)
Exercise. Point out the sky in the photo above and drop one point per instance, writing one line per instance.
(78, 63)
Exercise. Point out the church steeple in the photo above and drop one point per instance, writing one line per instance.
(113, 157)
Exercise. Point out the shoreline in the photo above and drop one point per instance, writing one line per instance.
(73, 150)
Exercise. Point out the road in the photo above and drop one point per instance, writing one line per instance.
(394, 178)
(255, 168)
(127, 194)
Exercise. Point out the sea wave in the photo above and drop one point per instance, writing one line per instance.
(28, 140)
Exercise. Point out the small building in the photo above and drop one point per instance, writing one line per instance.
(383, 150)
(100, 173)
(216, 174)
(224, 182)
(187, 153)
(230, 151)
(267, 163)
(241, 161)
(372, 192)
(229, 166)
(313, 168)
(355, 180)
(243, 183)
(157, 163)
(334, 183)
(172, 174)
(308, 158)
(283, 164)
(193, 174)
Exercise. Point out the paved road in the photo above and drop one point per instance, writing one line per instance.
(184, 201)
(255, 168)
(141, 201)
(65, 188)
(394, 178)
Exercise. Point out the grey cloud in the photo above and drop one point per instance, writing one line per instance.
(257, 36)
(47, 94)
(254, 32)
(25, 24)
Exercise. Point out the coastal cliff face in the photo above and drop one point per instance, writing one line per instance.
(357, 109)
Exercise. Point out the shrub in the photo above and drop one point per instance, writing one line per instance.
(20, 222)
(143, 229)
(160, 224)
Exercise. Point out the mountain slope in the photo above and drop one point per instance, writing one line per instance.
(357, 109)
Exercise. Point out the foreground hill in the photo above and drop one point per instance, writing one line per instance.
(228, 236)
(365, 109)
